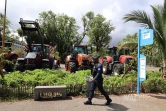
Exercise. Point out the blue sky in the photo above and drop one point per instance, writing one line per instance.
(113, 10)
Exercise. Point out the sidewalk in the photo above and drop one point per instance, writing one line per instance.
(131, 102)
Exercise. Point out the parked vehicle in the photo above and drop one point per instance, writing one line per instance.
(78, 59)
(38, 55)
(11, 56)
(114, 62)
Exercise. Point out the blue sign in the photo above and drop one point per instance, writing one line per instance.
(142, 68)
(146, 37)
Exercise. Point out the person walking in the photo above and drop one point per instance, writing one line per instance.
(97, 81)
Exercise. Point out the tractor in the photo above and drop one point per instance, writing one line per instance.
(78, 59)
(114, 62)
(11, 56)
(38, 55)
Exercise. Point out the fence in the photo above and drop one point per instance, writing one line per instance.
(25, 91)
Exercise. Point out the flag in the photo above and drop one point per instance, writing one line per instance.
(51, 48)
(26, 47)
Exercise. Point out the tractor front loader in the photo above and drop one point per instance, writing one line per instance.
(38, 55)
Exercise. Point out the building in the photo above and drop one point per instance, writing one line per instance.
(18, 45)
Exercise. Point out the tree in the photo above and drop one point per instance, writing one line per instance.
(129, 39)
(7, 31)
(98, 30)
(157, 23)
(60, 29)
(34, 37)
(86, 19)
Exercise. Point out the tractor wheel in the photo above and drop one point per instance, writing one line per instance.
(51, 65)
(20, 66)
(10, 67)
(14, 59)
(45, 64)
(105, 66)
(116, 70)
(72, 66)
(66, 66)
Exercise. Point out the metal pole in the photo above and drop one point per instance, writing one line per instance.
(138, 75)
(4, 25)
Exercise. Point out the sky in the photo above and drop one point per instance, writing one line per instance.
(113, 10)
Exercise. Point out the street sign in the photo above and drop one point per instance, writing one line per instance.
(146, 37)
(142, 68)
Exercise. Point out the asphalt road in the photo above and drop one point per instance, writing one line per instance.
(132, 102)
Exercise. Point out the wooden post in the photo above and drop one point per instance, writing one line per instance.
(4, 25)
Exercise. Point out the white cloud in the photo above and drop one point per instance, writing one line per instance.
(113, 10)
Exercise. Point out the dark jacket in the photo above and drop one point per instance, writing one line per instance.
(97, 71)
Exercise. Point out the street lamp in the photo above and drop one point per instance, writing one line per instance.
(4, 24)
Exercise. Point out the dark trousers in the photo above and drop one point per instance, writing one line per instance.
(99, 84)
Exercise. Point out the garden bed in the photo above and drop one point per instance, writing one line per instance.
(20, 85)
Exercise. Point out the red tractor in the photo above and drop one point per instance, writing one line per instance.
(38, 55)
(114, 62)
(11, 56)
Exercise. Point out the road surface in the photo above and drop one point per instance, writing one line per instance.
(132, 102)
(149, 68)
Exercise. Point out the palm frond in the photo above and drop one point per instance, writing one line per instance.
(164, 34)
(158, 24)
(160, 8)
(140, 17)
(164, 11)
(129, 45)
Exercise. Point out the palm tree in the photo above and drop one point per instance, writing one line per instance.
(129, 41)
(157, 23)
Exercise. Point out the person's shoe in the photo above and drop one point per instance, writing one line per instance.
(108, 102)
(88, 102)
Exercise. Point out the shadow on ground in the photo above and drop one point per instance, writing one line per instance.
(114, 107)
(54, 99)
(159, 97)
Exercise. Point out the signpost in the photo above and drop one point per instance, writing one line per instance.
(142, 68)
(145, 37)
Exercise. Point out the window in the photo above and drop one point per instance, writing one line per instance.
(113, 52)
(37, 48)
(80, 49)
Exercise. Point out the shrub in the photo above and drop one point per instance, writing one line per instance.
(154, 82)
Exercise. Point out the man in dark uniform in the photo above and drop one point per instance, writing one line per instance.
(97, 81)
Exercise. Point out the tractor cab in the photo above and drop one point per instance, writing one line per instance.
(80, 49)
(78, 58)
(113, 52)
(116, 53)
(37, 48)
(124, 51)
